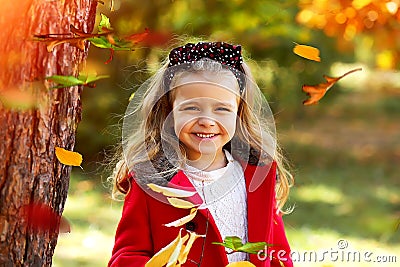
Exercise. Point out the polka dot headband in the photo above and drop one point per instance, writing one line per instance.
(224, 53)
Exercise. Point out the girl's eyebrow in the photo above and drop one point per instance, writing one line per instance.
(217, 103)
(190, 102)
(227, 104)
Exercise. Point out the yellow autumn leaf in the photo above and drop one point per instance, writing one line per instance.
(307, 52)
(180, 203)
(183, 220)
(67, 157)
(170, 192)
(241, 264)
(186, 249)
(173, 259)
(163, 256)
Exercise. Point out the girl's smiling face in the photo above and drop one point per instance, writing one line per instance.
(205, 117)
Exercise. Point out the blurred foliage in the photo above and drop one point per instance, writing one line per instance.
(345, 150)
(267, 30)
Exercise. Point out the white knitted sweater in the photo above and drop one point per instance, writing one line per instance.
(224, 194)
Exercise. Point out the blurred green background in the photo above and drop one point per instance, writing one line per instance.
(344, 151)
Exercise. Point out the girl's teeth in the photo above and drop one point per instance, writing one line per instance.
(205, 135)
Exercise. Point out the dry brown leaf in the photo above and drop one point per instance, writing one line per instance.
(183, 220)
(316, 92)
(67, 157)
(170, 192)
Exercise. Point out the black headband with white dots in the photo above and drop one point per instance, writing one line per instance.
(224, 53)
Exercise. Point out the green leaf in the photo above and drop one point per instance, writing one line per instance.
(232, 242)
(100, 42)
(104, 23)
(253, 248)
(89, 78)
(64, 81)
(235, 243)
(103, 42)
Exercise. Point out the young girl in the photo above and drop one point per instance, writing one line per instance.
(201, 124)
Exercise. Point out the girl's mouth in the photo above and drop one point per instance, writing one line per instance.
(201, 135)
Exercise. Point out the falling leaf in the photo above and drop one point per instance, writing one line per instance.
(65, 226)
(186, 248)
(240, 264)
(163, 256)
(180, 203)
(307, 52)
(183, 220)
(173, 259)
(316, 92)
(131, 97)
(138, 37)
(42, 218)
(150, 38)
(67, 157)
(170, 192)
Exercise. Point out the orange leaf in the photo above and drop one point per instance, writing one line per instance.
(67, 157)
(137, 37)
(316, 92)
(150, 38)
(307, 52)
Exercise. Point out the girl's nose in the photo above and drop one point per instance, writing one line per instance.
(206, 121)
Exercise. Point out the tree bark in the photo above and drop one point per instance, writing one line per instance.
(29, 170)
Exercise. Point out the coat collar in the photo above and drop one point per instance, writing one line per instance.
(260, 187)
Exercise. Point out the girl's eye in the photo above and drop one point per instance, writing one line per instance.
(223, 109)
(190, 108)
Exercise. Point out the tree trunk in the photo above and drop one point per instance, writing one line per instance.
(29, 170)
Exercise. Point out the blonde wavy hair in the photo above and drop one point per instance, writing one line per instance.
(155, 107)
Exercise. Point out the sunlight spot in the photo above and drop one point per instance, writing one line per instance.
(385, 60)
(340, 18)
(319, 193)
(392, 7)
(358, 4)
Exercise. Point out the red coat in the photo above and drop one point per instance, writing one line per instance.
(141, 232)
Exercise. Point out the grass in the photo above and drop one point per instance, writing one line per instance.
(346, 162)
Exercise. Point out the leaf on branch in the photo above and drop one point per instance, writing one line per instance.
(67, 157)
(240, 264)
(183, 220)
(68, 81)
(307, 52)
(316, 92)
(235, 244)
(180, 203)
(170, 192)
